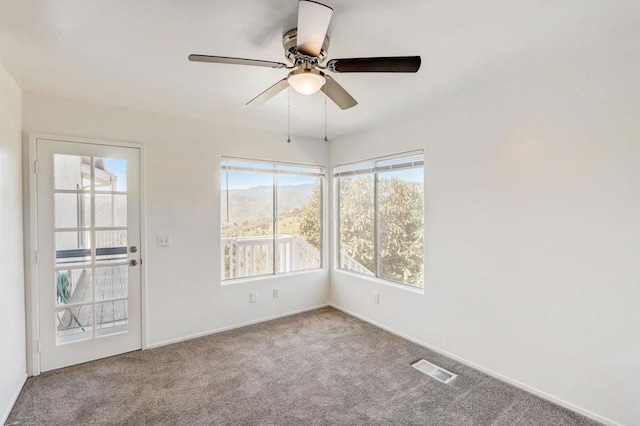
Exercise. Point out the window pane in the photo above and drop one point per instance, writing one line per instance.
(75, 323)
(112, 317)
(401, 226)
(356, 205)
(299, 220)
(72, 210)
(73, 286)
(247, 224)
(112, 282)
(111, 210)
(70, 171)
(111, 246)
(72, 248)
(110, 174)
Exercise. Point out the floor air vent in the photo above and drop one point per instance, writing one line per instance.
(434, 371)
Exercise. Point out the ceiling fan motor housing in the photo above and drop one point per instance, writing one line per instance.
(293, 55)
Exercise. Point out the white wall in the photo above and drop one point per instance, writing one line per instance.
(532, 234)
(12, 331)
(184, 292)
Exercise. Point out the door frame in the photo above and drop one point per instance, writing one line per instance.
(30, 191)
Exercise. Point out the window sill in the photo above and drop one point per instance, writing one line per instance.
(268, 277)
(376, 280)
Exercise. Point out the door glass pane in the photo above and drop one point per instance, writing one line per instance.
(111, 210)
(112, 317)
(356, 205)
(73, 286)
(111, 246)
(247, 224)
(72, 248)
(111, 282)
(299, 219)
(70, 171)
(401, 228)
(72, 210)
(110, 174)
(74, 323)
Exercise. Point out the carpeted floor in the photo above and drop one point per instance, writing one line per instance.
(319, 367)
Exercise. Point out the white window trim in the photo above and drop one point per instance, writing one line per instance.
(404, 160)
(276, 168)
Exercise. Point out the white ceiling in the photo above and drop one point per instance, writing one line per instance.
(134, 53)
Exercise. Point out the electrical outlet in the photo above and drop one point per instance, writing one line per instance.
(253, 297)
(163, 240)
(276, 293)
(376, 297)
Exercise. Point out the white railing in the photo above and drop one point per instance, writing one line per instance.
(117, 238)
(349, 263)
(250, 256)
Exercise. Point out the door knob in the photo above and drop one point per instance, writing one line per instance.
(133, 262)
(133, 249)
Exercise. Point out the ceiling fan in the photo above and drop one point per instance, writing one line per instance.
(306, 49)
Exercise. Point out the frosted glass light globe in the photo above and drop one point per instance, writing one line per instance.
(306, 81)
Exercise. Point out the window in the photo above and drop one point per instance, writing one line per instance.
(271, 217)
(381, 217)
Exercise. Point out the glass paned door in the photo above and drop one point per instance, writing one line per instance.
(89, 251)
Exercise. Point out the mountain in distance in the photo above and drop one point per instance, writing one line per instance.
(257, 202)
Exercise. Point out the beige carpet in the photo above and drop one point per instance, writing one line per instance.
(320, 367)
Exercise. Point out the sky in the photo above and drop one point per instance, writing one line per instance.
(119, 168)
(240, 180)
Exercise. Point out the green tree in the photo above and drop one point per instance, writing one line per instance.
(401, 230)
(311, 218)
(400, 225)
(357, 219)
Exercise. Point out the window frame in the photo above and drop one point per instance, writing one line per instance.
(273, 168)
(373, 167)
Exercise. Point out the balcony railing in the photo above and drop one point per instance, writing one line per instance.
(75, 287)
(250, 256)
(350, 264)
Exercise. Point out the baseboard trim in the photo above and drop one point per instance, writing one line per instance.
(487, 371)
(5, 416)
(233, 327)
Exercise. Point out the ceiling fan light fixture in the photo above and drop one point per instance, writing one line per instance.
(306, 81)
(305, 48)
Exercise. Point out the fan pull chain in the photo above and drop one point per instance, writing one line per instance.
(325, 118)
(289, 114)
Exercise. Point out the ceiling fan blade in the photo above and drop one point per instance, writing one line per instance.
(313, 23)
(337, 94)
(270, 92)
(384, 64)
(236, 61)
